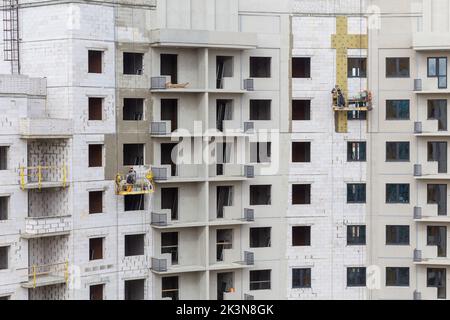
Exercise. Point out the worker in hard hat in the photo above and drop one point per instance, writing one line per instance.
(131, 179)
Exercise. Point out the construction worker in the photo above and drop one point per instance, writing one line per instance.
(131, 179)
(340, 99)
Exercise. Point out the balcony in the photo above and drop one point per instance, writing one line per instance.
(163, 265)
(163, 84)
(430, 258)
(231, 260)
(429, 171)
(203, 39)
(429, 214)
(39, 227)
(45, 128)
(47, 275)
(231, 172)
(232, 215)
(179, 173)
(162, 220)
(232, 295)
(43, 177)
(428, 86)
(431, 41)
(429, 129)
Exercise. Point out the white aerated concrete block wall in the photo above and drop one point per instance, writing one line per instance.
(328, 173)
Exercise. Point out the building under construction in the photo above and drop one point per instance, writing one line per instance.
(239, 149)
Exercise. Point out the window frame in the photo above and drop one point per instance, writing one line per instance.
(308, 230)
(260, 282)
(438, 75)
(397, 152)
(398, 185)
(398, 68)
(307, 73)
(253, 75)
(397, 109)
(300, 284)
(397, 277)
(253, 105)
(358, 242)
(397, 241)
(360, 67)
(295, 103)
(307, 146)
(134, 54)
(308, 187)
(256, 229)
(359, 151)
(256, 187)
(90, 69)
(364, 275)
(363, 201)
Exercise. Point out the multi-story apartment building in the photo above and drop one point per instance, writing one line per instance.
(192, 149)
(408, 140)
(110, 85)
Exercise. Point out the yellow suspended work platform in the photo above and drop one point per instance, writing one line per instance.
(135, 184)
(342, 41)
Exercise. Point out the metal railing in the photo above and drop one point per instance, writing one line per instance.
(160, 173)
(249, 258)
(249, 171)
(249, 127)
(159, 265)
(158, 83)
(56, 269)
(418, 127)
(417, 84)
(249, 215)
(417, 170)
(159, 219)
(42, 174)
(417, 255)
(417, 213)
(158, 128)
(249, 84)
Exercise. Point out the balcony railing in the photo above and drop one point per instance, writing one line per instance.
(249, 215)
(158, 83)
(417, 84)
(43, 176)
(417, 255)
(186, 172)
(249, 84)
(160, 128)
(50, 274)
(159, 265)
(159, 219)
(417, 213)
(249, 127)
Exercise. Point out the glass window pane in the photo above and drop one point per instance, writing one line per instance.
(442, 67)
(432, 72)
(442, 82)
